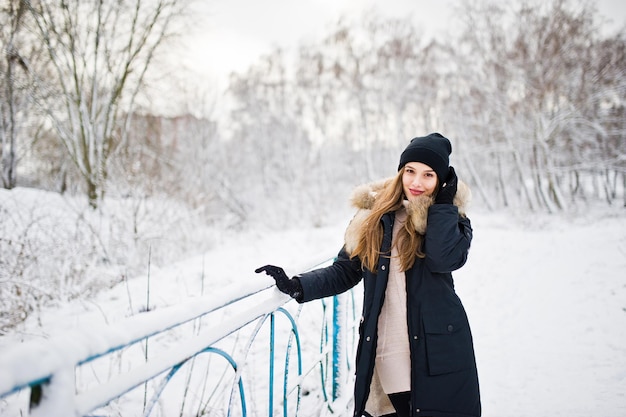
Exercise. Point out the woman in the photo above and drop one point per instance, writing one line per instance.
(415, 355)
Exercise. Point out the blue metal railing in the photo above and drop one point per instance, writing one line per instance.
(44, 373)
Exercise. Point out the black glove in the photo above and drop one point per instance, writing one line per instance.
(292, 286)
(447, 189)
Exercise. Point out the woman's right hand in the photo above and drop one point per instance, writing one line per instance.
(292, 286)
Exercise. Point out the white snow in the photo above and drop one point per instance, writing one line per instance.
(548, 307)
(546, 298)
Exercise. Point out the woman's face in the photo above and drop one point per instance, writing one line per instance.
(418, 179)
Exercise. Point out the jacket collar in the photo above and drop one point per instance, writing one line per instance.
(364, 196)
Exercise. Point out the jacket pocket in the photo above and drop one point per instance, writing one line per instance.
(448, 341)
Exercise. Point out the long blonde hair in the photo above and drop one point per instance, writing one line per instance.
(408, 241)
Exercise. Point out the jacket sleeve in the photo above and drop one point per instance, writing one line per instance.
(447, 239)
(342, 275)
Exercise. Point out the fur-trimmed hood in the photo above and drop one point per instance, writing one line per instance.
(364, 196)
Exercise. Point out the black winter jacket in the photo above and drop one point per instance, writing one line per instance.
(444, 377)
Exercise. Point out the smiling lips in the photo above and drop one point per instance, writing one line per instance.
(416, 192)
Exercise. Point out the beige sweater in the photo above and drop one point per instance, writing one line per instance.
(393, 360)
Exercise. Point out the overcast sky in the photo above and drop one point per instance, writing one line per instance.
(234, 33)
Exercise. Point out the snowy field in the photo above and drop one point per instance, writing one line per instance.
(547, 303)
(546, 298)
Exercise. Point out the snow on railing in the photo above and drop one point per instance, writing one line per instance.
(102, 368)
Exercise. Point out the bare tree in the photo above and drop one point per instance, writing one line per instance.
(100, 52)
(267, 136)
(372, 83)
(541, 87)
(13, 96)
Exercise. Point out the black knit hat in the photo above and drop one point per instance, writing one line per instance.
(433, 150)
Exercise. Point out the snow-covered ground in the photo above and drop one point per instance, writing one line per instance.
(546, 298)
(547, 303)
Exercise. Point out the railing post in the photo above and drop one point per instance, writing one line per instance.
(54, 397)
(271, 381)
(36, 393)
(339, 343)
